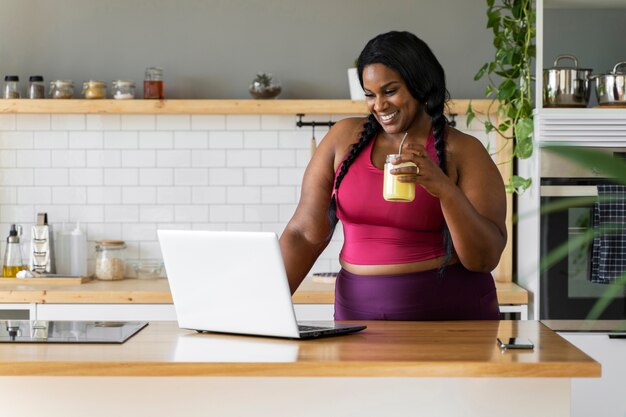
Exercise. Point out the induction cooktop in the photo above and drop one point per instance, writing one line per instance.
(39, 331)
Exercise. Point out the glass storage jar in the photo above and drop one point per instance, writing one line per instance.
(62, 89)
(110, 259)
(153, 84)
(123, 89)
(94, 89)
(36, 88)
(11, 89)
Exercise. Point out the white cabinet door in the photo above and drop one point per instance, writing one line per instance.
(605, 396)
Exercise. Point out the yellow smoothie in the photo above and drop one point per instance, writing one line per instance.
(394, 190)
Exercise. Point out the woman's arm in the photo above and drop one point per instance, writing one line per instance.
(472, 198)
(475, 209)
(308, 232)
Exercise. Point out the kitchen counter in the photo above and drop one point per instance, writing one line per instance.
(136, 291)
(385, 348)
(438, 368)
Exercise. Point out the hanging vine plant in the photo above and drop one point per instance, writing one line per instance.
(509, 79)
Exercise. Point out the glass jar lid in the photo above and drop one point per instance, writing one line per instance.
(110, 244)
(95, 83)
(123, 83)
(35, 78)
(62, 83)
(11, 78)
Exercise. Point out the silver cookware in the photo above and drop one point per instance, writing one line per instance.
(610, 88)
(566, 86)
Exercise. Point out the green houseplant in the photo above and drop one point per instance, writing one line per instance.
(509, 79)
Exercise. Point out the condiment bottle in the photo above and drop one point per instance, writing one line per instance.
(123, 89)
(94, 89)
(110, 259)
(12, 255)
(62, 89)
(11, 89)
(36, 89)
(153, 87)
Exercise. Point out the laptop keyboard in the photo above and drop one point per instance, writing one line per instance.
(304, 328)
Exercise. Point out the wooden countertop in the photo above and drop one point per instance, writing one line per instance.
(129, 291)
(384, 349)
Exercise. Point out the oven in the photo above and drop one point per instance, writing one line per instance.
(568, 194)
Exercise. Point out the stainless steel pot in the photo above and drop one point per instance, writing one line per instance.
(566, 86)
(610, 88)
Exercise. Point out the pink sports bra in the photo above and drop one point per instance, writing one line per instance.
(379, 232)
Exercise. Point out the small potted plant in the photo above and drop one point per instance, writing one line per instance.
(264, 86)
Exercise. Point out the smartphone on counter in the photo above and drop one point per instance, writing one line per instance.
(515, 343)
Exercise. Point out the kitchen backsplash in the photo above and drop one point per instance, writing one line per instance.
(125, 176)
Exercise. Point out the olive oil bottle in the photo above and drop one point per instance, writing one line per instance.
(12, 263)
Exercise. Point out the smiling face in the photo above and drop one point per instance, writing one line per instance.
(388, 98)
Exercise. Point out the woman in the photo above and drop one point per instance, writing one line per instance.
(429, 259)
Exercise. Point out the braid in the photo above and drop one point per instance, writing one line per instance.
(370, 128)
(439, 122)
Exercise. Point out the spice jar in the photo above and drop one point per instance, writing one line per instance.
(153, 84)
(110, 259)
(94, 89)
(36, 89)
(11, 89)
(123, 89)
(61, 89)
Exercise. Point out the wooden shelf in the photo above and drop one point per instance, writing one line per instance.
(139, 106)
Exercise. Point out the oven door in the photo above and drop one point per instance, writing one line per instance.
(566, 292)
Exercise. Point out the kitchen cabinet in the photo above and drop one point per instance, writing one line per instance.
(605, 394)
(585, 127)
(133, 299)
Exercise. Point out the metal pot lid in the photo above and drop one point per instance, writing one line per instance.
(567, 56)
(621, 66)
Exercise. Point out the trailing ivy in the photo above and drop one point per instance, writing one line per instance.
(509, 78)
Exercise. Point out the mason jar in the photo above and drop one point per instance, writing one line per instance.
(123, 89)
(62, 89)
(110, 259)
(94, 89)
(36, 88)
(153, 84)
(11, 88)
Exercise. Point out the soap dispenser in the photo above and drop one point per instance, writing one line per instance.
(12, 255)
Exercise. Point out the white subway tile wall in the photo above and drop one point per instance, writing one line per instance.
(126, 176)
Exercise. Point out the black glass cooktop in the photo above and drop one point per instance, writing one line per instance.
(38, 331)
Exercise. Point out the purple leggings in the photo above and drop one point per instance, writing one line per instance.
(458, 294)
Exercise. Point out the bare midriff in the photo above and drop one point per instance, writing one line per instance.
(394, 269)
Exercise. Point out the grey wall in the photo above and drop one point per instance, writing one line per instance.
(214, 48)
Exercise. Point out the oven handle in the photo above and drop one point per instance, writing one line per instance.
(568, 191)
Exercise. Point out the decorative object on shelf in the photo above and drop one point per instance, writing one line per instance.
(356, 91)
(153, 85)
(123, 89)
(36, 89)
(94, 89)
(265, 86)
(61, 89)
(566, 86)
(11, 87)
(611, 87)
(513, 26)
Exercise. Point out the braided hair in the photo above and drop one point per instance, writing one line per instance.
(424, 76)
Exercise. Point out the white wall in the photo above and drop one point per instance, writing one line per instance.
(125, 176)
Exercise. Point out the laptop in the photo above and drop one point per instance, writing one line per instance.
(235, 282)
